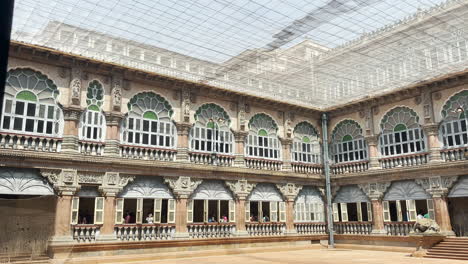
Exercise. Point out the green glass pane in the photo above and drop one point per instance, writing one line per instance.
(262, 132)
(211, 125)
(306, 139)
(399, 127)
(150, 115)
(462, 115)
(94, 108)
(347, 138)
(26, 95)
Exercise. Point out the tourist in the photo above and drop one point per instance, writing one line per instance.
(420, 214)
(128, 217)
(149, 219)
(225, 219)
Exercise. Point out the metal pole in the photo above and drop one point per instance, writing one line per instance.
(326, 166)
(6, 18)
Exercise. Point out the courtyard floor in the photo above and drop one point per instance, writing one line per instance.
(311, 256)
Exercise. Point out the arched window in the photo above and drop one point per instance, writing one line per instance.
(454, 131)
(262, 141)
(211, 131)
(30, 104)
(93, 122)
(348, 143)
(306, 147)
(401, 133)
(148, 122)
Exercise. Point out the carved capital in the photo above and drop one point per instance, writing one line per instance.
(431, 129)
(183, 128)
(289, 190)
(72, 113)
(113, 118)
(286, 141)
(241, 188)
(375, 190)
(64, 181)
(182, 186)
(437, 186)
(371, 140)
(240, 136)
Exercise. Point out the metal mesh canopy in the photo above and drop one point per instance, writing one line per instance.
(316, 53)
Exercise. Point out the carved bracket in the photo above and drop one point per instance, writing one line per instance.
(182, 186)
(375, 190)
(241, 188)
(438, 186)
(289, 190)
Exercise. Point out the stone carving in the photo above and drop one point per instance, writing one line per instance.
(75, 85)
(366, 114)
(23, 182)
(69, 176)
(64, 181)
(182, 186)
(375, 190)
(186, 104)
(425, 226)
(113, 183)
(437, 96)
(241, 114)
(265, 192)
(212, 190)
(116, 92)
(289, 190)
(90, 178)
(147, 187)
(428, 111)
(288, 124)
(62, 72)
(437, 186)
(241, 188)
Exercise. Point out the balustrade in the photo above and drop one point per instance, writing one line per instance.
(211, 230)
(454, 154)
(91, 148)
(398, 228)
(85, 233)
(266, 229)
(307, 168)
(210, 159)
(350, 167)
(311, 228)
(404, 161)
(30, 142)
(263, 164)
(353, 228)
(146, 153)
(144, 232)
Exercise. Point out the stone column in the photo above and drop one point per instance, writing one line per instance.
(71, 117)
(113, 121)
(378, 227)
(182, 187)
(373, 152)
(442, 215)
(241, 189)
(286, 143)
(239, 137)
(62, 224)
(183, 130)
(107, 230)
(432, 134)
(289, 192)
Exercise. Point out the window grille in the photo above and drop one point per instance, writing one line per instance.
(262, 141)
(306, 147)
(348, 144)
(453, 128)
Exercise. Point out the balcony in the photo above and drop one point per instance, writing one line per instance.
(211, 230)
(398, 228)
(315, 228)
(147, 153)
(30, 142)
(85, 233)
(92, 148)
(353, 228)
(211, 159)
(144, 232)
(263, 164)
(415, 159)
(349, 167)
(266, 229)
(307, 168)
(454, 154)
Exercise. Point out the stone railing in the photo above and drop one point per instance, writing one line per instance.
(144, 232)
(353, 228)
(454, 154)
(210, 159)
(266, 229)
(211, 230)
(85, 233)
(404, 160)
(147, 153)
(398, 228)
(308, 168)
(263, 164)
(91, 148)
(30, 142)
(349, 167)
(317, 228)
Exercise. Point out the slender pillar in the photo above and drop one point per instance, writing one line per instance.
(240, 217)
(290, 217)
(432, 133)
(62, 224)
(107, 229)
(442, 215)
(239, 137)
(181, 218)
(326, 166)
(378, 227)
(71, 117)
(373, 152)
(183, 130)
(113, 120)
(287, 146)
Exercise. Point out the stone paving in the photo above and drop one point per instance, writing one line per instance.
(312, 256)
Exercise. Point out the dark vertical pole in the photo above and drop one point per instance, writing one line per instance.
(6, 19)
(326, 166)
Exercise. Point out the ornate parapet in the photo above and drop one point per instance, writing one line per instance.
(376, 190)
(241, 188)
(289, 190)
(182, 186)
(437, 186)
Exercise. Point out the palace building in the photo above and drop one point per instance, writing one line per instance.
(154, 150)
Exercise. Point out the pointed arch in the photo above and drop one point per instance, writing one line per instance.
(265, 192)
(212, 190)
(306, 146)
(262, 141)
(147, 187)
(30, 104)
(405, 190)
(348, 142)
(350, 194)
(398, 116)
(262, 121)
(453, 128)
(309, 206)
(150, 101)
(92, 125)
